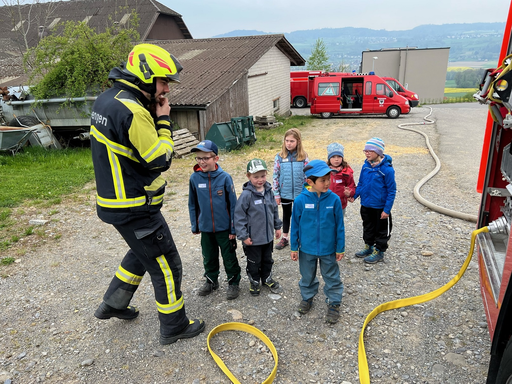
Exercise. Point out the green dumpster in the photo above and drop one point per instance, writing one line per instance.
(244, 127)
(224, 136)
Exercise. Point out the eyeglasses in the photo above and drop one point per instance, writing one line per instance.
(199, 159)
(366, 151)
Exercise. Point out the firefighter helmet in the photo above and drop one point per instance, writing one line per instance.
(148, 62)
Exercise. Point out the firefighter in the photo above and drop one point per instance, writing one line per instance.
(131, 142)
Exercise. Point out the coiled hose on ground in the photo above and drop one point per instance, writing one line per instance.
(417, 187)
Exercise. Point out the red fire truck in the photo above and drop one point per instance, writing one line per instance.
(402, 91)
(300, 93)
(494, 248)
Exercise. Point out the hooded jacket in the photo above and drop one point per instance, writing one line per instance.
(377, 186)
(130, 149)
(256, 215)
(211, 201)
(340, 180)
(317, 224)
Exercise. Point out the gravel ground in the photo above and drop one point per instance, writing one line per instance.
(47, 298)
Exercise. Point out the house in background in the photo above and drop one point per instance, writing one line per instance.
(230, 77)
(422, 70)
(38, 19)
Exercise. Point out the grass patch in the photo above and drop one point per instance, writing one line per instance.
(7, 260)
(43, 176)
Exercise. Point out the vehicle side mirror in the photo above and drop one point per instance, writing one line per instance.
(390, 94)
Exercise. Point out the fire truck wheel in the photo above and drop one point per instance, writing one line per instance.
(326, 115)
(393, 112)
(300, 102)
(505, 371)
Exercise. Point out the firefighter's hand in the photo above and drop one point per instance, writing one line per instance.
(162, 106)
(383, 215)
(294, 255)
(248, 241)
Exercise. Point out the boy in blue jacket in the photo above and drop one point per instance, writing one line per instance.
(318, 236)
(377, 189)
(211, 204)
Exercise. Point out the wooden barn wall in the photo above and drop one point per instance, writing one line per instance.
(165, 28)
(233, 103)
(186, 119)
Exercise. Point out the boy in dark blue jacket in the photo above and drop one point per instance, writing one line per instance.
(211, 204)
(318, 236)
(377, 189)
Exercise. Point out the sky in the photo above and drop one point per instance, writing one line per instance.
(208, 18)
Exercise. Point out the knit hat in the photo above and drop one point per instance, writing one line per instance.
(256, 165)
(375, 144)
(334, 149)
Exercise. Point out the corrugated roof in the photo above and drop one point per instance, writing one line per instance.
(98, 12)
(212, 66)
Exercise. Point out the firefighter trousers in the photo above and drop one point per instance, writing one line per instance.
(152, 250)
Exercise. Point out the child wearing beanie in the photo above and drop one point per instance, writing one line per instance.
(377, 190)
(342, 181)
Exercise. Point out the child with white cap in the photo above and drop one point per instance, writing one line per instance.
(377, 190)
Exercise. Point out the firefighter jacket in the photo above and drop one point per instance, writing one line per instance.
(211, 201)
(130, 150)
(256, 215)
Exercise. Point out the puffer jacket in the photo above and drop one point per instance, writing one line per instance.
(377, 185)
(256, 215)
(211, 201)
(288, 177)
(130, 150)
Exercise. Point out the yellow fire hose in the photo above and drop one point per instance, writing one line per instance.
(364, 375)
(244, 328)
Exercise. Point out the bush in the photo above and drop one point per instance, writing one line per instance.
(77, 60)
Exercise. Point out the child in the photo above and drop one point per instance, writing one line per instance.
(377, 189)
(318, 234)
(256, 217)
(288, 178)
(342, 182)
(211, 204)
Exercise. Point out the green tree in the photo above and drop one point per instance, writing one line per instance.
(319, 60)
(469, 78)
(78, 59)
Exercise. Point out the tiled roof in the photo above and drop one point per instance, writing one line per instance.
(211, 66)
(98, 11)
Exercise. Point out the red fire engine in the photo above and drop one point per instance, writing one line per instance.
(494, 248)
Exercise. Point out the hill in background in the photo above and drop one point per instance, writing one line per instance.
(473, 42)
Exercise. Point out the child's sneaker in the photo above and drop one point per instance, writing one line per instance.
(254, 289)
(207, 288)
(282, 243)
(273, 285)
(305, 306)
(367, 251)
(375, 257)
(233, 291)
(333, 314)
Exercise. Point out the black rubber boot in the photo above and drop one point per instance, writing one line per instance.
(105, 312)
(193, 329)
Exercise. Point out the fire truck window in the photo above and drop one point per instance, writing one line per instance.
(379, 89)
(328, 89)
(368, 88)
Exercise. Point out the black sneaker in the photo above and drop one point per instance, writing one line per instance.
(273, 285)
(255, 289)
(207, 288)
(233, 292)
(305, 306)
(194, 328)
(105, 312)
(333, 314)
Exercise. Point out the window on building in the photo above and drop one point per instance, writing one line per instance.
(276, 104)
(328, 89)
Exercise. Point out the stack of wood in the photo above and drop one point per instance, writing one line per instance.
(266, 122)
(184, 141)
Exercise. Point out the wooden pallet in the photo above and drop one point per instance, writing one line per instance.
(184, 141)
(266, 122)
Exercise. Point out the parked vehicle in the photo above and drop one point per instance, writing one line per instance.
(353, 93)
(494, 248)
(300, 93)
(403, 91)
